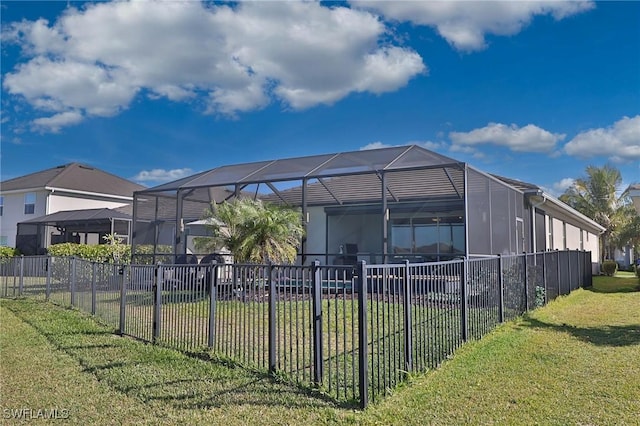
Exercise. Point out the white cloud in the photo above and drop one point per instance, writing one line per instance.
(57, 121)
(558, 188)
(432, 146)
(230, 58)
(529, 138)
(619, 142)
(464, 24)
(375, 145)
(162, 175)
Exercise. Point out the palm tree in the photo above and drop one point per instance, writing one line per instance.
(253, 231)
(628, 232)
(596, 196)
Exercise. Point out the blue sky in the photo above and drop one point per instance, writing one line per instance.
(154, 91)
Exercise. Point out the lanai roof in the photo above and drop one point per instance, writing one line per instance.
(310, 167)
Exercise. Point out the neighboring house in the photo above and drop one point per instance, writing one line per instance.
(380, 205)
(634, 193)
(625, 256)
(70, 187)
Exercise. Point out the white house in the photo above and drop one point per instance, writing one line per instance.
(634, 193)
(70, 187)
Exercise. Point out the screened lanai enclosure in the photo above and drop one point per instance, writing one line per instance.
(382, 206)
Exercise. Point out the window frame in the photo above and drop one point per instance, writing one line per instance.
(27, 203)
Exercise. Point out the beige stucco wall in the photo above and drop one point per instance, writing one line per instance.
(67, 202)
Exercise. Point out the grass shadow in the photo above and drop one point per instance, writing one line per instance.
(612, 335)
(183, 380)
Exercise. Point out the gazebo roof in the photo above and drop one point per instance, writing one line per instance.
(80, 217)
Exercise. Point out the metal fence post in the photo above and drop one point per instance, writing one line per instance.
(589, 268)
(73, 281)
(363, 355)
(501, 293)
(213, 296)
(544, 276)
(408, 315)
(569, 274)
(526, 283)
(21, 280)
(94, 291)
(272, 319)
(559, 273)
(48, 283)
(579, 270)
(123, 305)
(318, 365)
(157, 304)
(464, 317)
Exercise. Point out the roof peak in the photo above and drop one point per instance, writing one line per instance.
(73, 176)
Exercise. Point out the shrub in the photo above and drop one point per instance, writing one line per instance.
(105, 253)
(609, 267)
(541, 296)
(7, 252)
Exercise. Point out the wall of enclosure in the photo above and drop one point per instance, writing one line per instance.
(497, 221)
(355, 332)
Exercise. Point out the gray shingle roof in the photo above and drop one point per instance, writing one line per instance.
(74, 176)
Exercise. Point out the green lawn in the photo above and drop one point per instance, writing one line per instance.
(572, 362)
(576, 361)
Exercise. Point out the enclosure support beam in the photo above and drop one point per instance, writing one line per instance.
(305, 224)
(466, 212)
(179, 246)
(385, 216)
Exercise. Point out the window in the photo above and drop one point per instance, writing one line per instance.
(428, 235)
(1, 205)
(30, 203)
(551, 246)
(564, 235)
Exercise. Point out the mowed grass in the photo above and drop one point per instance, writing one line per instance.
(576, 361)
(53, 357)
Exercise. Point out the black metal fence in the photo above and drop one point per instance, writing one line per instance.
(355, 333)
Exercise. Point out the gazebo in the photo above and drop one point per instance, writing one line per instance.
(77, 226)
(383, 205)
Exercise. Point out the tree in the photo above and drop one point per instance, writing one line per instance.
(596, 196)
(628, 233)
(253, 231)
